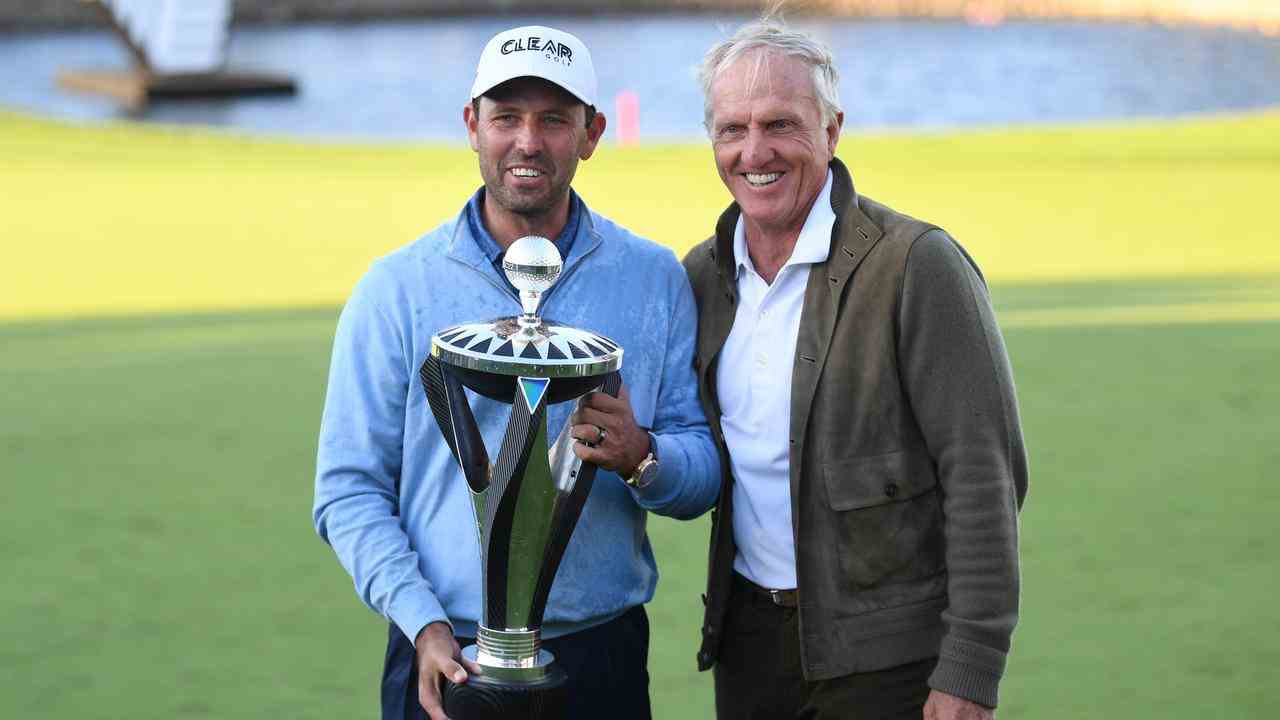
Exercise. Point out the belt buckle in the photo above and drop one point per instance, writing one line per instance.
(777, 597)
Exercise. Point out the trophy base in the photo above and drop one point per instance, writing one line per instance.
(485, 698)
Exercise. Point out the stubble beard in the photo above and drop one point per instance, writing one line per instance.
(529, 205)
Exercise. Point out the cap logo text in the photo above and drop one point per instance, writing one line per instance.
(554, 51)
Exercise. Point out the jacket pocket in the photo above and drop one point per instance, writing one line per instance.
(871, 480)
(886, 519)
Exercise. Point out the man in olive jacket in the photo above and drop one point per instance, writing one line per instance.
(864, 557)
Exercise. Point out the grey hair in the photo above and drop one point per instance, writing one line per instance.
(768, 34)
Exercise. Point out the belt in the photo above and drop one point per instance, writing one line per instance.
(781, 598)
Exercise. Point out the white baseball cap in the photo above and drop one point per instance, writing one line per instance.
(537, 51)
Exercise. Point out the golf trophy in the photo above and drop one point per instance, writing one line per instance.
(528, 501)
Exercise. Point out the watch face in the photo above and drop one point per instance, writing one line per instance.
(648, 473)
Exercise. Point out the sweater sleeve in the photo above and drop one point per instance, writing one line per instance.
(358, 462)
(959, 383)
(688, 480)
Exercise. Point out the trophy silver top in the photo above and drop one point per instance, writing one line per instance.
(532, 264)
(502, 347)
(526, 344)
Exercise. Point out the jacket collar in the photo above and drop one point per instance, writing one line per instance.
(854, 233)
(853, 236)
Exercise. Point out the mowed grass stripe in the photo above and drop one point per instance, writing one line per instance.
(1139, 301)
(122, 219)
(141, 339)
(1143, 315)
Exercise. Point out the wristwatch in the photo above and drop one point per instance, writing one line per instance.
(646, 471)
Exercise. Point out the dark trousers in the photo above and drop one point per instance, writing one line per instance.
(758, 675)
(607, 667)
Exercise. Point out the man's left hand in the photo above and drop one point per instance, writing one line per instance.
(608, 432)
(941, 706)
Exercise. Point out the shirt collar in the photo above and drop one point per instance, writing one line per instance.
(490, 247)
(813, 244)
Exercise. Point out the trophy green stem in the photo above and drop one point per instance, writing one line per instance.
(530, 532)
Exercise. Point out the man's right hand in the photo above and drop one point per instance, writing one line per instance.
(438, 657)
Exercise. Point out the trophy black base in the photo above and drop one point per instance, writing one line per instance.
(485, 698)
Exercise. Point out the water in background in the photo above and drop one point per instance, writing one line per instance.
(409, 79)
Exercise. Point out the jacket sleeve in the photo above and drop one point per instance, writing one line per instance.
(960, 386)
(358, 463)
(688, 480)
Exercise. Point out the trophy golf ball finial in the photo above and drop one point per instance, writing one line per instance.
(532, 264)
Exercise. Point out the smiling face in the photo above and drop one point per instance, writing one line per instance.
(771, 145)
(529, 135)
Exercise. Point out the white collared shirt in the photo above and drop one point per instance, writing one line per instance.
(753, 380)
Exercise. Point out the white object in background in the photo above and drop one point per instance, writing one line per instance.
(135, 16)
(177, 36)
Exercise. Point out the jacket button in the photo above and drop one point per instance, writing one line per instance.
(891, 489)
(708, 631)
(704, 658)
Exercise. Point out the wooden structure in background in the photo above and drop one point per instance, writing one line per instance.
(178, 50)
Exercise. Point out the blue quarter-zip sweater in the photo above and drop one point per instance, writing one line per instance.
(389, 497)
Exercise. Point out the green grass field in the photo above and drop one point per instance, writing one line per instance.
(170, 299)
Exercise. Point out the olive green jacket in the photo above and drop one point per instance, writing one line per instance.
(907, 462)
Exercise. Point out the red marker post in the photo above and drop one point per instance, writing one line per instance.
(627, 112)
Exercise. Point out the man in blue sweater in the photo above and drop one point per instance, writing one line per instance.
(389, 496)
